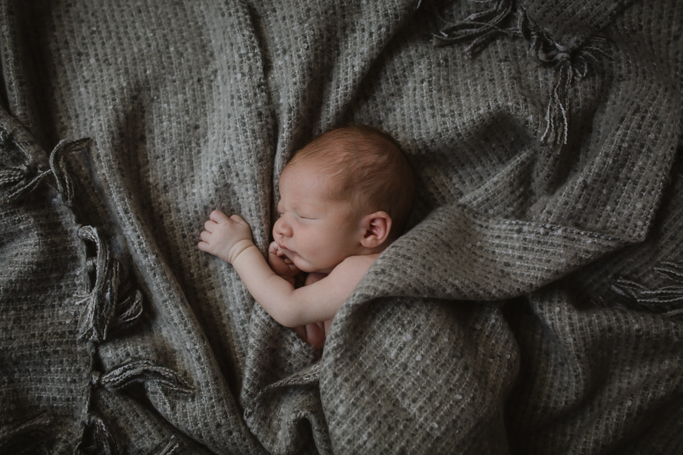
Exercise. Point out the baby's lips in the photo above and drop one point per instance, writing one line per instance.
(282, 254)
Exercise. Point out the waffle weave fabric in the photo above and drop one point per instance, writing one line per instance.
(534, 307)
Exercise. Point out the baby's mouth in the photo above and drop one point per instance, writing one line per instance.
(288, 256)
(286, 251)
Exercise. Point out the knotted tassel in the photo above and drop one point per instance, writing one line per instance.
(556, 118)
(17, 181)
(142, 371)
(58, 166)
(569, 62)
(103, 312)
(100, 439)
(479, 28)
(100, 303)
(127, 311)
(666, 299)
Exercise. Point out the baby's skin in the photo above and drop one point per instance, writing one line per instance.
(332, 240)
(313, 333)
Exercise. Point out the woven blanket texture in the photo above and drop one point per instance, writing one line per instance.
(535, 306)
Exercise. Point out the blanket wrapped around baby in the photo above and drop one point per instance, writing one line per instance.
(535, 306)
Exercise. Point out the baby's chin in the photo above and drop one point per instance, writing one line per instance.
(306, 266)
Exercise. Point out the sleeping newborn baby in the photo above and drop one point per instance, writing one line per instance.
(344, 198)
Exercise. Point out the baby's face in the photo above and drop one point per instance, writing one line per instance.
(314, 231)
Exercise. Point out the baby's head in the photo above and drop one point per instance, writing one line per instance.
(364, 165)
(349, 192)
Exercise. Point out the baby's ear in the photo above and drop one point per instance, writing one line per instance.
(376, 228)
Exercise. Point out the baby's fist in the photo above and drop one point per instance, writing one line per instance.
(225, 237)
(280, 264)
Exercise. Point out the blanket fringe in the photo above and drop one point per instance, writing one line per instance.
(103, 312)
(128, 311)
(666, 300)
(101, 439)
(100, 306)
(17, 181)
(570, 62)
(479, 28)
(142, 371)
(171, 448)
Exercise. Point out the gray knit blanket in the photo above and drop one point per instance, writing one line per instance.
(535, 306)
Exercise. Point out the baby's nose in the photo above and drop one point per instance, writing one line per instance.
(282, 228)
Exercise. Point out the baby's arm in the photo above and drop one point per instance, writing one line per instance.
(230, 239)
(313, 333)
(292, 307)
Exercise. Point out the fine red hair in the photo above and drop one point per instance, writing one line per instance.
(368, 165)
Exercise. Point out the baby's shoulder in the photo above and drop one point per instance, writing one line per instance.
(356, 263)
(350, 271)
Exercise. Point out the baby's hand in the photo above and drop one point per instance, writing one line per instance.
(225, 237)
(280, 264)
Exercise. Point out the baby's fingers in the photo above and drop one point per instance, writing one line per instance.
(238, 219)
(205, 236)
(210, 225)
(218, 216)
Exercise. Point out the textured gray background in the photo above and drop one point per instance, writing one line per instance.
(533, 308)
